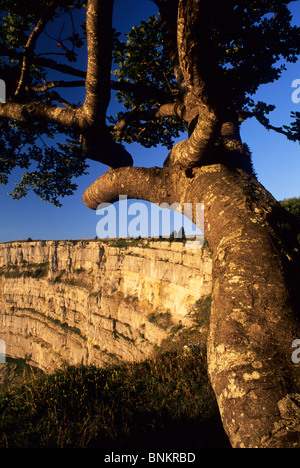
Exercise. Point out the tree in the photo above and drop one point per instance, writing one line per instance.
(196, 67)
(292, 205)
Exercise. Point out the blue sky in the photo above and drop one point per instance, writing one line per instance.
(276, 160)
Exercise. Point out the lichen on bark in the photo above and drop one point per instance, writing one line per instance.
(255, 314)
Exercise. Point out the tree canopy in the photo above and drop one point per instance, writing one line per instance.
(216, 54)
(293, 206)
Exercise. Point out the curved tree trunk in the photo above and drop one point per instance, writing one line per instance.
(255, 308)
(255, 314)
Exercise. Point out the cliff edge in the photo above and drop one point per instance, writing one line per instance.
(99, 302)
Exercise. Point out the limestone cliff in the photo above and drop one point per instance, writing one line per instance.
(95, 301)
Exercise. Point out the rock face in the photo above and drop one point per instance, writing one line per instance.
(96, 301)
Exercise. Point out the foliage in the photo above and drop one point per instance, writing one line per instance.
(143, 59)
(252, 39)
(166, 400)
(53, 166)
(292, 205)
(53, 154)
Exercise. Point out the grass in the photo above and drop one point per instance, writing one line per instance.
(166, 401)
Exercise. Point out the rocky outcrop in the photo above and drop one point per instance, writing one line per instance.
(95, 301)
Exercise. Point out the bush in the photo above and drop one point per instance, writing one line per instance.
(292, 205)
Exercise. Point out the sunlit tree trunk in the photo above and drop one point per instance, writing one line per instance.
(255, 308)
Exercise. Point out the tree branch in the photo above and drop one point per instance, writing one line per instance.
(56, 84)
(173, 109)
(38, 111)
(197, 56)
(139, 89)
(196, 149)
(56, 97)
(99, 42)
(60, 67)
(181, 22)
(153, 184)
(30, 44)
(264, 121)
(168, 10)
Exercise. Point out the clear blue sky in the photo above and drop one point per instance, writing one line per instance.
(276, 160)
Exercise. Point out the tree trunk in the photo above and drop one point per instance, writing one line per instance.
(255, 312)
(255, 307)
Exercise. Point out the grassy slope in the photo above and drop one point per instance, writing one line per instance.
(163, 402)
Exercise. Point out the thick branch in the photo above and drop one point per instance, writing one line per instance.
(231, 138)
(100, 42)
(187, 46)
(168, 10)
(196, 149)
(197, 56)
(135, 182)
(153, 184)
(98, 145)
(38, 111)
(255, 300)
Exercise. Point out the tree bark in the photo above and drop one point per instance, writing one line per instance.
(100, 43)
(255, 306)
(255, 313)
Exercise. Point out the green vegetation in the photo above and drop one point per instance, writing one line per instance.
(292, 205)
(163, 402)
(26, 270)
(202, 310)
(162, 319)
(136, 241)
(80, 278)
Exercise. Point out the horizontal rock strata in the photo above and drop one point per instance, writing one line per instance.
(95, 301)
